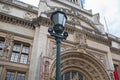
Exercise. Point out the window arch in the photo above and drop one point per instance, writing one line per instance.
(72, 75)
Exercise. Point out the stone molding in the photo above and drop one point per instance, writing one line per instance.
(85, 62)
(8, 2)
(16, 21)
(5, 8)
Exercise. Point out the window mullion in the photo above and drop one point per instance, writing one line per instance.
(20, 53)
(3, 73)
(15, 78)
(29, 54)
(70, 75)
(64, 77)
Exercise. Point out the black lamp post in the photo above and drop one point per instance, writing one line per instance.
(59, 19)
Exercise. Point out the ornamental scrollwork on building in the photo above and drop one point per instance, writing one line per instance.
(8, 44)
(46, 70)
(5, 8)
(100, 57)
(73, 19)
(29, 16)
(52, 49)
(80, 38)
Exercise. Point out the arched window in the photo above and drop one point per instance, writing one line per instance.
(72, 75)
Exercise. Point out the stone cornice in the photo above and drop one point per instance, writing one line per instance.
(113, 38)
(94, 36)
(18, 6)
(94, 49)
(115, 50)
(42, 21)
(14, 66)
(15, 20)
(97, 37)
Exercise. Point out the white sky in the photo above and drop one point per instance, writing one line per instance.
(110, 9)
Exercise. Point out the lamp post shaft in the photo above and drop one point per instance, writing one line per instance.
(58, 66)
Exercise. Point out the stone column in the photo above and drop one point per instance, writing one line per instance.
(39, 46)
(110, 66)
(33, 63)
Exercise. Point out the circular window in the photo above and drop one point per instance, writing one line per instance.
(72, 75)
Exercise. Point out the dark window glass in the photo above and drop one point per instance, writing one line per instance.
(23, 58)
(16, 47)
(1, 44)
(14, 57)
(20, 53)
(20, 76)
(67, 76)
(25, 49)
(72, 74)
(10, 76)
(80, 77)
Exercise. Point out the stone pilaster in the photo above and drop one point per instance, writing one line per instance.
(110, 65)
(33, 62)
(39, 47)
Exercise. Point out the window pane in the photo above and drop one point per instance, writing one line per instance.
(20, 76)
(16, 47)
(25, 49)
(14, 57)
(74, 74)
(1, 44)
(80, 77)
(10, 76)
(0, 52)
(67, 76)
(23, 58)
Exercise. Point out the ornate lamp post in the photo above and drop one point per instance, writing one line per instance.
(59, 19)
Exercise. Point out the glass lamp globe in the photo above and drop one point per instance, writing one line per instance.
(59, 19)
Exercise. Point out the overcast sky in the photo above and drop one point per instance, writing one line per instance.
(108, 9)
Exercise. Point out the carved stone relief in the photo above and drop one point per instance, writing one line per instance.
(91, 69)
(5, 8)
(28, 16)
(52, 49)
(73, 19)
(81, 39)
(100, 57)
(46, 70)
(7, 45)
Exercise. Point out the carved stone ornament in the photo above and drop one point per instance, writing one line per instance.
(100, 57)
(88, 66)
(28, 16)
(73, 19)
(46, 70)
(81, 39)
(5, 8)
(8, 43)
(52, 49)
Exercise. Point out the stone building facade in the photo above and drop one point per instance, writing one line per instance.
(88, 53)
